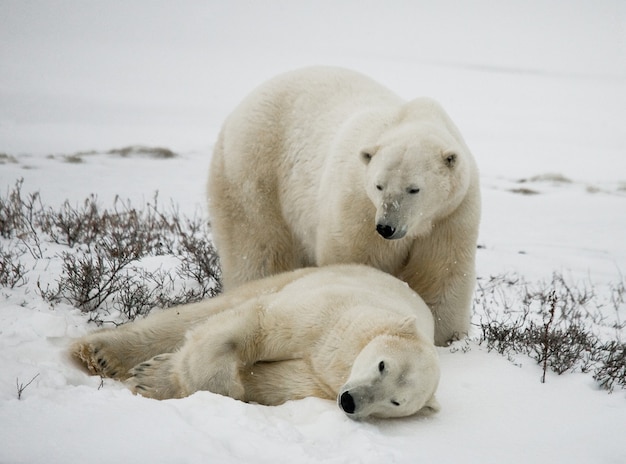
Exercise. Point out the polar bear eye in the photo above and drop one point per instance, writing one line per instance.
(381, 367)
(379, 187)
(413, 190)
(395, 403)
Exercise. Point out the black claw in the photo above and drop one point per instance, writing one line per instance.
(140, 387)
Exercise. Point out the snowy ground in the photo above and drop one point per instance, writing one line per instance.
(536, 88)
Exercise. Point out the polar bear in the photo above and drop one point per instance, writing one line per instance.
(323, 165)
(345, 332)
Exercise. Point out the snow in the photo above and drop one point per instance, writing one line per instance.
(537, 88)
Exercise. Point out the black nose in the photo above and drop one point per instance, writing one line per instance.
(347, 402)
(385, 231)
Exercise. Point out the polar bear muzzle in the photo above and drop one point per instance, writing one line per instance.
(346, 401)
(386, 231)
(389, 232)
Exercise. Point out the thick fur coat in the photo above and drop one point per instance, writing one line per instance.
(347, 332)
(323, 165)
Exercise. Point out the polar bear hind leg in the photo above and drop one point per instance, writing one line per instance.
(100, 357)
(156, 378)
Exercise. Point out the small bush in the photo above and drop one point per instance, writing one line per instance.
(611, 369)
(103, 263)
(12, 271)
(552, 324)
(152, 152)
(19, 217)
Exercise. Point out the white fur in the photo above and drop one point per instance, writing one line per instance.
(312, 162)
(311, 332)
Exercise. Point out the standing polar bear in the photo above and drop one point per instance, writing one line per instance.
(348, 332)
(323, 165)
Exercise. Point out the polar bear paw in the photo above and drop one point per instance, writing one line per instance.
(156, 379)
(98, 358)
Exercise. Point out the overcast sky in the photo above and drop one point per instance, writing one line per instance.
(162, 63)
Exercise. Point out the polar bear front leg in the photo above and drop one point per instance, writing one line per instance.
(446, 284)
(210, 359)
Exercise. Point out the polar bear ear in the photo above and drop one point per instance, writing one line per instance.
(450, 158)
(408, 327)
(367, 154)
(431, 407)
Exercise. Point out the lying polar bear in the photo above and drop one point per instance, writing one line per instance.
(348, 332)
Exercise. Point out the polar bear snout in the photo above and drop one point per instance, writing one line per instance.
(389, 232)
(361, 401)
(386, 231)
(346, 401)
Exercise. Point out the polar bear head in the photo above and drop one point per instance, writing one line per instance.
(416, 173)
(393, 376)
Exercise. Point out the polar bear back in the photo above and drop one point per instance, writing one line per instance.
(344, 288)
